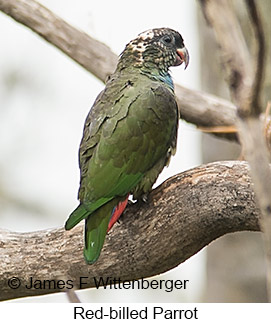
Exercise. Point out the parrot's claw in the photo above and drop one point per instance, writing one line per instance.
(145, 198)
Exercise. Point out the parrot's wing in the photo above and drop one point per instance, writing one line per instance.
(123, 139)
(82, 211)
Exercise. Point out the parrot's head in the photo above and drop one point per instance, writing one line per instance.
(156, 48)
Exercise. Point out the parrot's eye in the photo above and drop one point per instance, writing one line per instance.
(167, 39)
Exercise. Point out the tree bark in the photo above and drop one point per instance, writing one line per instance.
(182, 216)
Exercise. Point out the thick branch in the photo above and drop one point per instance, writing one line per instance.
(196, 107)
(183, 215)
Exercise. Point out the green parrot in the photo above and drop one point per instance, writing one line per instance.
(129, 134)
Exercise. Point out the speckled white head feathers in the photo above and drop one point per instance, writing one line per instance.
(156, 48)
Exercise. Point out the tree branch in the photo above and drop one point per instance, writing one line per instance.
(183, 215)
(196, 107)
(255, 92)
(246, 94)
(93, 55)
(234, 52)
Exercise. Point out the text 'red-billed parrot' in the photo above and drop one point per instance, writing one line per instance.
(129, 134)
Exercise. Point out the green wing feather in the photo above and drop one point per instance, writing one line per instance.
(129, 129)
(83, 211)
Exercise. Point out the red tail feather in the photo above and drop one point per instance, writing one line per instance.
(117, 212)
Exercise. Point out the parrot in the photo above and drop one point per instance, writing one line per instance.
(129, 134)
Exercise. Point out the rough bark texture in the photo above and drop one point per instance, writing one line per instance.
(183, 215)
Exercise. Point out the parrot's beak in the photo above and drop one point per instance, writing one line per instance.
(182, 56)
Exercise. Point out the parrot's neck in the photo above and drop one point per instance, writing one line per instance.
(154, 75)
(164, 77)
(134, 64)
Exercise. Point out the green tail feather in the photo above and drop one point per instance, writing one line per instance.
(97, 216)
(95, 231)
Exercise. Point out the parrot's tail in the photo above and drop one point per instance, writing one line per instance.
(98, 224)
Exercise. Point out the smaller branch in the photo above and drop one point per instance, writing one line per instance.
(204, 109)
(196, 107)
(76, 44)
(235, 54)
(260, 62)
(72, 296)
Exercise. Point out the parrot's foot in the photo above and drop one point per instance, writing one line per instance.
(143, 200)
